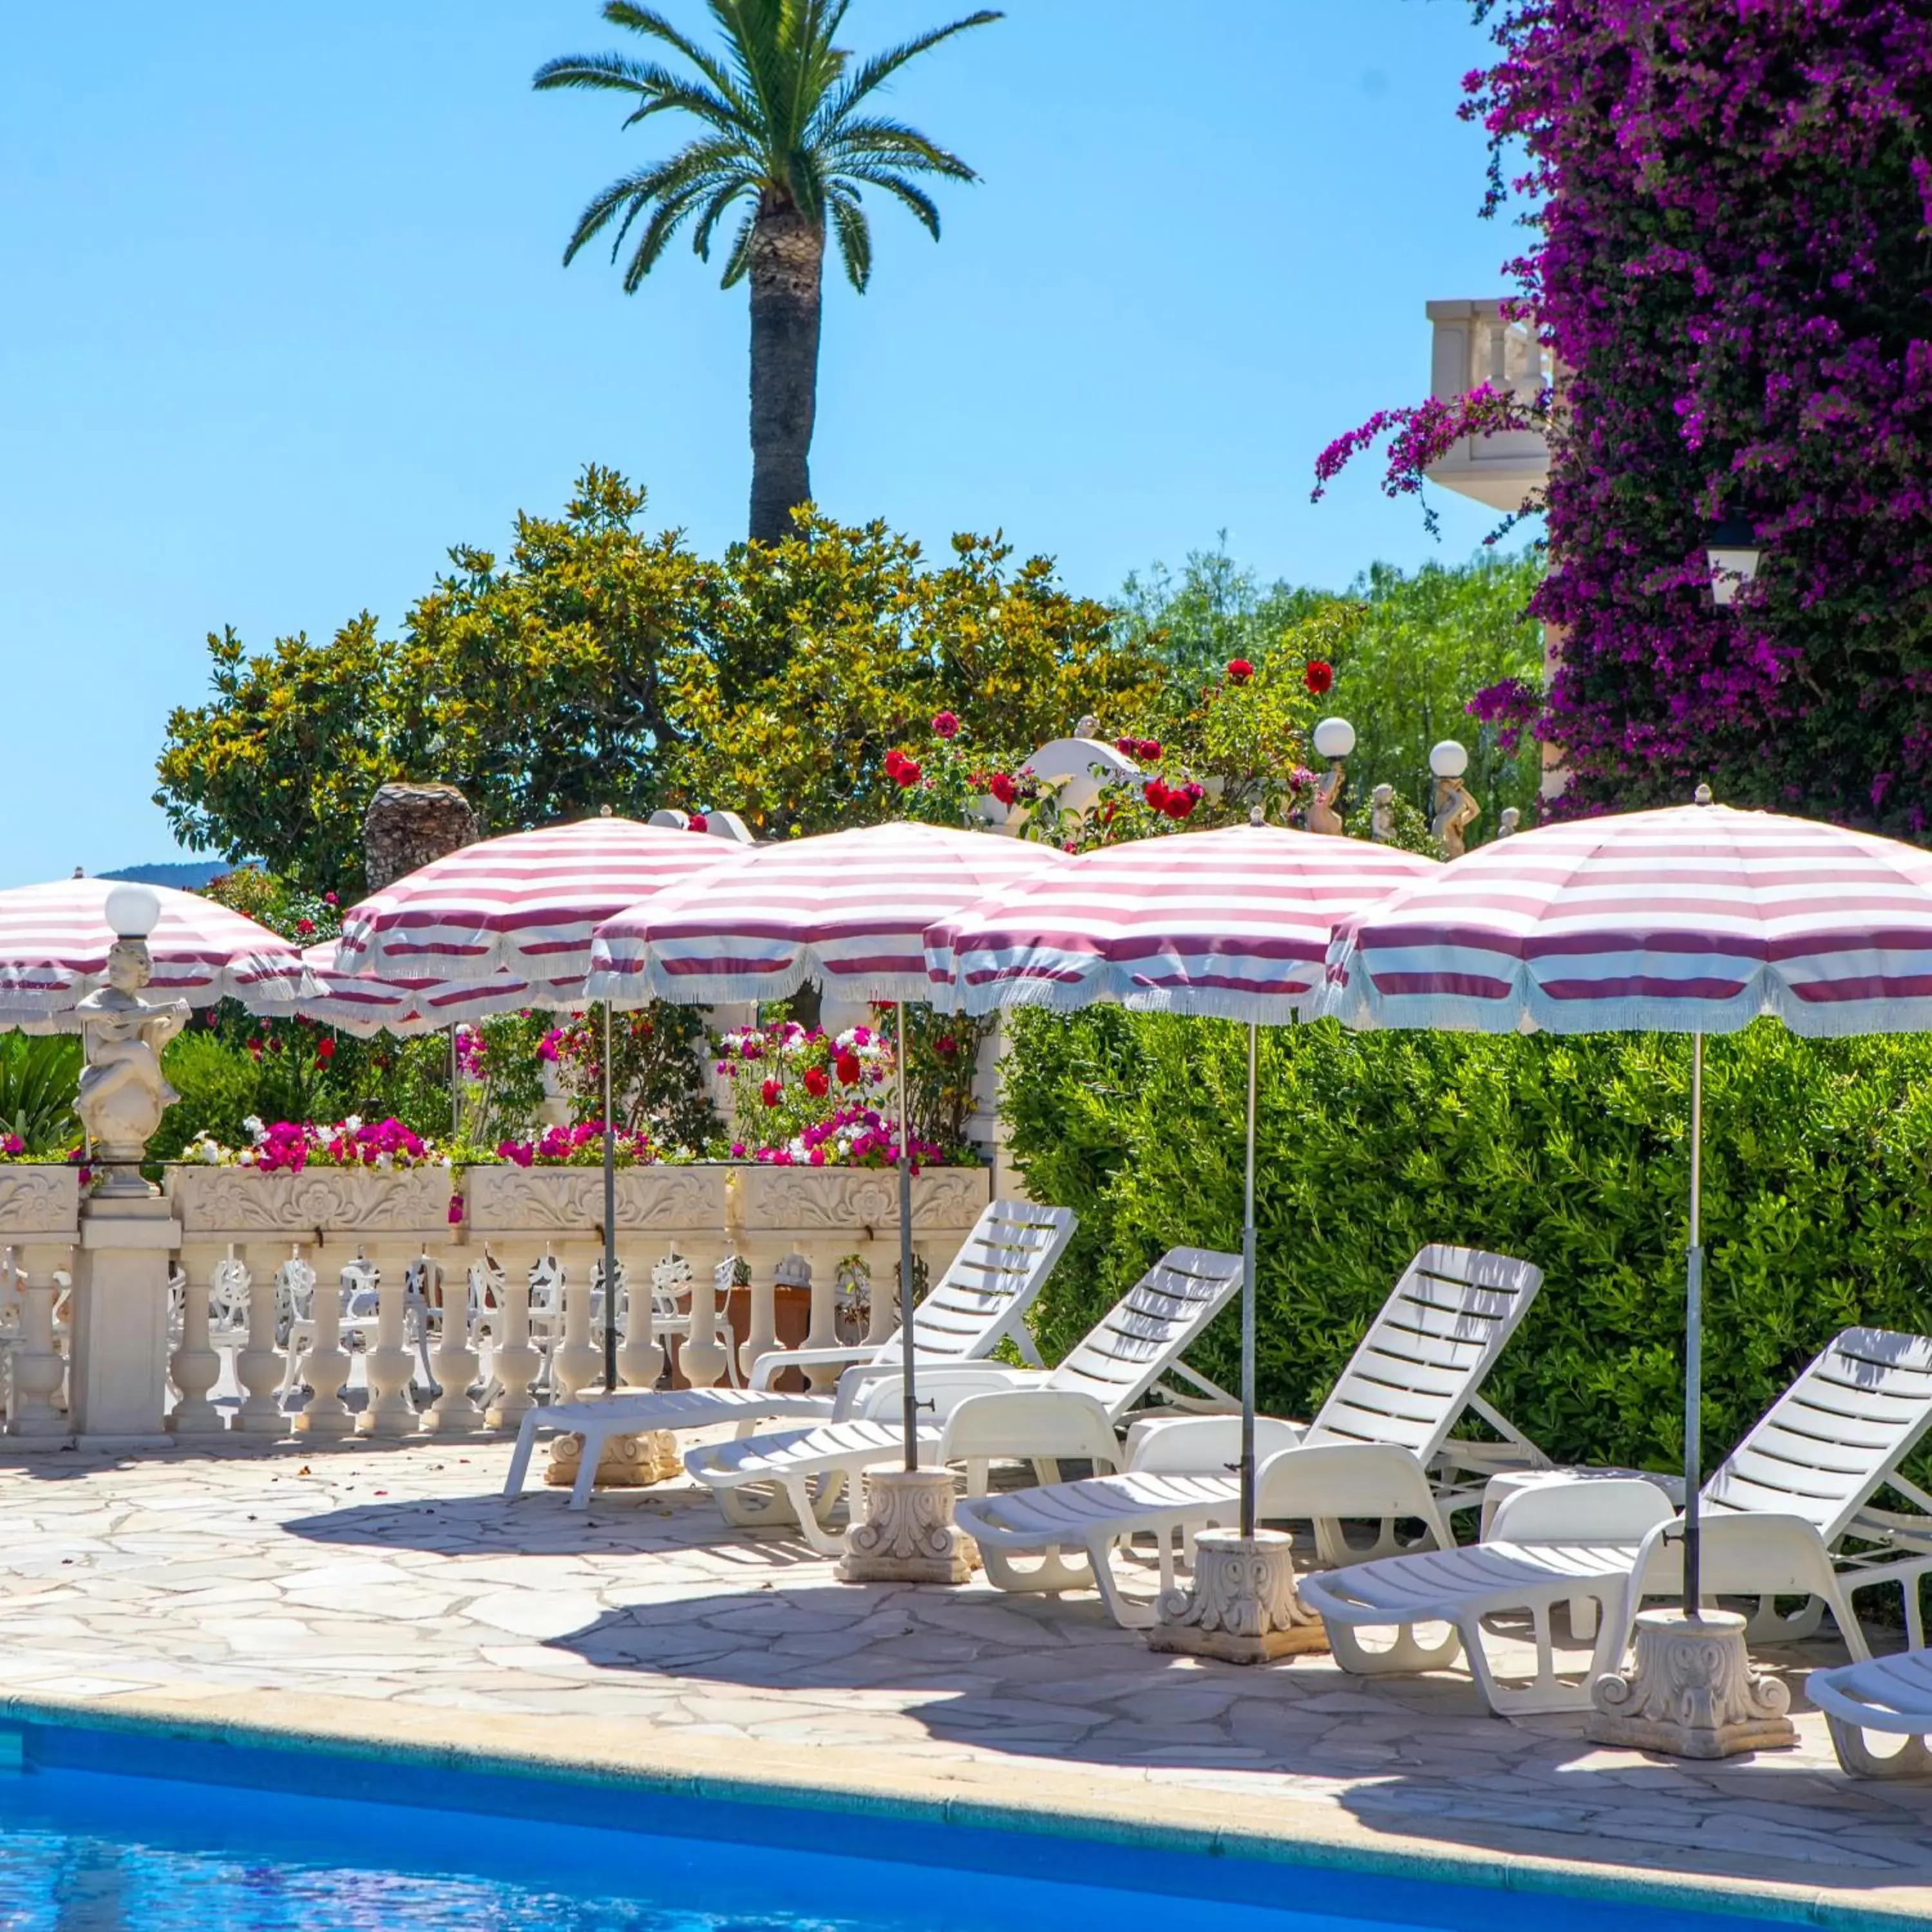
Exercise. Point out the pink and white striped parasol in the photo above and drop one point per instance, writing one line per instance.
(847, 909)
(525, 904)
(1233, 924)
(54, 942)
(1696, 919)
(362, 1004)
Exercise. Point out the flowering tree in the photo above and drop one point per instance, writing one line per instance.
(1731, 205)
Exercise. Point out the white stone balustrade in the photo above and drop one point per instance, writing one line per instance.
(310, 1294)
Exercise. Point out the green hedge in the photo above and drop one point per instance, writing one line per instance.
(1817, 1178)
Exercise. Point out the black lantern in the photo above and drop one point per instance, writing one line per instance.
(1733, 550)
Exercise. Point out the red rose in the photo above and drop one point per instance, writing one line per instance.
(771, 1092)
(946, 1046)
(1127, 747)
(908, 773)
(848, 1069)
(894, 759)
(699, 823)
(1155, 793)
(303, 927)
(1179, 803)
(1239, 670)
(1318, 676)
(1149, 748)
(945, 725)
(324, 1050)
(1003, 788)
(816, 1083)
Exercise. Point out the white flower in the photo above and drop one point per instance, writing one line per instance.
(255, 1130)
(352, 1124)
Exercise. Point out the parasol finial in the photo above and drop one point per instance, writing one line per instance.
(1702, 795)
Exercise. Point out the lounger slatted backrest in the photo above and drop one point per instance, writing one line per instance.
(990, 1283)
(1834, 1435)
(1428, 1351)
(1150, 1327)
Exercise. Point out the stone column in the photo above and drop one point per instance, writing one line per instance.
(38, 1369)
(257, 1368)
(195, 1367)
(117, 1375)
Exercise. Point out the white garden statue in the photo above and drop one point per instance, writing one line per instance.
(123, 1094)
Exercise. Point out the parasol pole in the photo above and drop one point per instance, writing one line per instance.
(455, 1087)
(911, 1398)
(1248, 1308)
(1694, 1341)
(610, 1222)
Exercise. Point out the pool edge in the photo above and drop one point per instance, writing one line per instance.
(1051, 1801)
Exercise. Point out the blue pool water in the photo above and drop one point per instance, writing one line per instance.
(87, 1849)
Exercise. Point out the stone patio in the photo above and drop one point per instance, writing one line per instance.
(313, 1588)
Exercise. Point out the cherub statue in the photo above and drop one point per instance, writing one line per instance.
(122, 1094)
(1324, 813)
(1456, 810)
(1381, 814)
(1510, 821)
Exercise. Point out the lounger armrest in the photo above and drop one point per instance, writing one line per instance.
(1618, 1510)
(876, 1393)
(767, 1367)
(1331, 1481)
(1745, 1552)
(1031, 1423)
(1197, 1445)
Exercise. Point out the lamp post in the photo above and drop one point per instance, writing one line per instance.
(1334, 738)
(1732, 549)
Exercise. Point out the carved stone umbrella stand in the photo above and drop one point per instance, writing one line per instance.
(1232, 925)
(1696, 920)
(848, 910)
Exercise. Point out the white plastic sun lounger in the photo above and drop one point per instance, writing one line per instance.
(1775, 1513)
(983, 1412)
(1892, 1695)
(981, 1301)
(1371, 1452)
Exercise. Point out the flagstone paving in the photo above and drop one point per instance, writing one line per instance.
(361, 1577)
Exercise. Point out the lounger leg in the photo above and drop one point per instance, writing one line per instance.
(1123, 1609)
(756, 1508)
(520, 1457)
(1405, 1657)
(823, 1539)
(594, 1440)
(1766, 1624)
(1911, 1759)
(1050, 1570)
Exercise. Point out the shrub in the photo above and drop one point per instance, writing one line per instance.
(1571, 1152)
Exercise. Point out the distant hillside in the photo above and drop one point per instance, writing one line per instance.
(187, 876)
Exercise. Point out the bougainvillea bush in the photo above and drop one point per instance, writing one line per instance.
(1730, 204)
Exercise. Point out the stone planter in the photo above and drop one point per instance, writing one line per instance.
(824, 1214)
(37, 1201)
(315, 1205)
(569, 1200)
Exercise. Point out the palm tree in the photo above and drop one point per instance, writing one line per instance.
(785, 139)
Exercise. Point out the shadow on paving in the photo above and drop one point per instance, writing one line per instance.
(540, 1522)
(1053, 1678)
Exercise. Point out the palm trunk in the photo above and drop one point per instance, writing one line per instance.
(788, 259)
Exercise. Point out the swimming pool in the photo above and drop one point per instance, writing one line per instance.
(215, 1838)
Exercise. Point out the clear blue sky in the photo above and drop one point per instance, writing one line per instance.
(285, 319)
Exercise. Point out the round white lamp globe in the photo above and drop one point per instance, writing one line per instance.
(1334, 738)
(133, 911)
(1448, 759)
